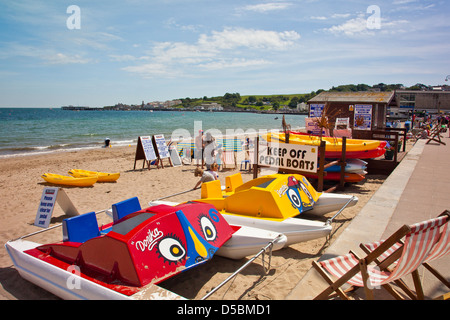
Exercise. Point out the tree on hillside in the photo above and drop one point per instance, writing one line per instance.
(293, 103)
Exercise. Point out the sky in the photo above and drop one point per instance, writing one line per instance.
(99, 53)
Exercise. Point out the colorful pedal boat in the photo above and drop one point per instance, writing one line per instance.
(69, 180)
(136, 252)
(355, 148)
(327, 202)
(274, 203)
(102, 176)
(274, 197)
(128, 258)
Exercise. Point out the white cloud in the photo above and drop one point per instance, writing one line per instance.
(61, 58)
(359, 26)
(233, 63)
(231, 38)
(266, 7)
(229, 48)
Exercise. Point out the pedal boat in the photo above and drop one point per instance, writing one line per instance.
(128, 258)
(69, 180)
(355, 148)
(274, 203)
(125, 259)
(102, 176)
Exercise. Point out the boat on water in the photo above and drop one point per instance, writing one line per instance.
(129, 257)
(355, 148)
(102, 176)
(69, 180)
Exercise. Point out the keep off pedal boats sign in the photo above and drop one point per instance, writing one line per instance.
(288, 156)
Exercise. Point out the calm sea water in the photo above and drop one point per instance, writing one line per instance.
(38, 130)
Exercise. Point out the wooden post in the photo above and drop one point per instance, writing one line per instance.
(343, 163)
(256, 155)
(321, 171)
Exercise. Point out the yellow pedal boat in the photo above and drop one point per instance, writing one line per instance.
(273, 197)
(69, 181)
(102, 176)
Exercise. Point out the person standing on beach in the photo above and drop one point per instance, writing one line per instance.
(199, 146)
(209, 150)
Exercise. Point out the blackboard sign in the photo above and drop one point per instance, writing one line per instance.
(145, 151)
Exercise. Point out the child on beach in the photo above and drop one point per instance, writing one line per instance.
(206, 175)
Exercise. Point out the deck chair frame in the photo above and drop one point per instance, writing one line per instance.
(391, 250)
(441, 248)
(435, 135)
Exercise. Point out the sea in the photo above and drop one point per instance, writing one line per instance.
(28, 131)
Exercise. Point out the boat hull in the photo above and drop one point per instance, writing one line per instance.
(296, 230)
(329, 202)
(65, 284)
(102, 176)
(248, 241)
(69, 181)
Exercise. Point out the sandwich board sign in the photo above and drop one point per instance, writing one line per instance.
(174, 156)
(145, 151)
(51, 196)
(161, 146)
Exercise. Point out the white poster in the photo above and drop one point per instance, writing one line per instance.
(289, 156)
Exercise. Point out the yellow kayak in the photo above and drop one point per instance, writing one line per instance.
(102, 176)
(69, 181)
(332, 144)
(274, 197)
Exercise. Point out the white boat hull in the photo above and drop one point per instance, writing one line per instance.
(296, 230)
(329, 202)
(249, 241)
(68, 285)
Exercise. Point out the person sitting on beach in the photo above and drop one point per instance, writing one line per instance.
(206, 175)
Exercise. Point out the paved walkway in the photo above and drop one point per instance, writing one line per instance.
(417, 190)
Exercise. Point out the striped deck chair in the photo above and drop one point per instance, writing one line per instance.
(440, 249)
(372, 271)
(229, 159)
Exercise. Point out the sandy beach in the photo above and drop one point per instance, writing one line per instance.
(22, 186)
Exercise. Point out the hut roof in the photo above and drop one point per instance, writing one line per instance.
(354, 97)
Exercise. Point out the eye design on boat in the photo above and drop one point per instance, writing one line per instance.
(171, 249)
(294, 197)
(208, 228)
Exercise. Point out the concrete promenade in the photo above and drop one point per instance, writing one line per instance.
(417, 190)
